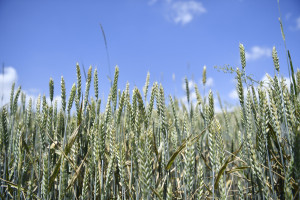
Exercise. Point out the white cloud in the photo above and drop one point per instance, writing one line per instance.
(10, 76)
(6, 80)
(258, 52)
(209, 82)
(233, 95)
(183, 12)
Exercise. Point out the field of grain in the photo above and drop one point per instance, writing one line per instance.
(146, 145)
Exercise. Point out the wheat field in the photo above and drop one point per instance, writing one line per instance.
(146, 145)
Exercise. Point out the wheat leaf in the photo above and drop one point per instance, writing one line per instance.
(181, 147)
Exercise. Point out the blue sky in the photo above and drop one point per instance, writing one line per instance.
(43, 39)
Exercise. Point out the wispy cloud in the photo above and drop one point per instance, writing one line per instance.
(6, 80)
(183, 12)
(209, 82)
(233, 95)
(10, 76)
(258, 52)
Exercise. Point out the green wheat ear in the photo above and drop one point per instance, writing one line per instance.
(121, 104)
(51, 89)
(204, 75)
(12, 97)
(200, 176)
(15, 105)
(298, 80)
(4, 129)
(275, 59)
(114, 88)
(211, 109)
(45, 179)
(96, 83)
(71, 98)
(78, 96)
(38, 104)
(145, 88)
(85, 186)
(63, 93)
(23, 100)
(240, 89)
(242, 55)
(87, 88)
(198, 96)
(187, 89)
